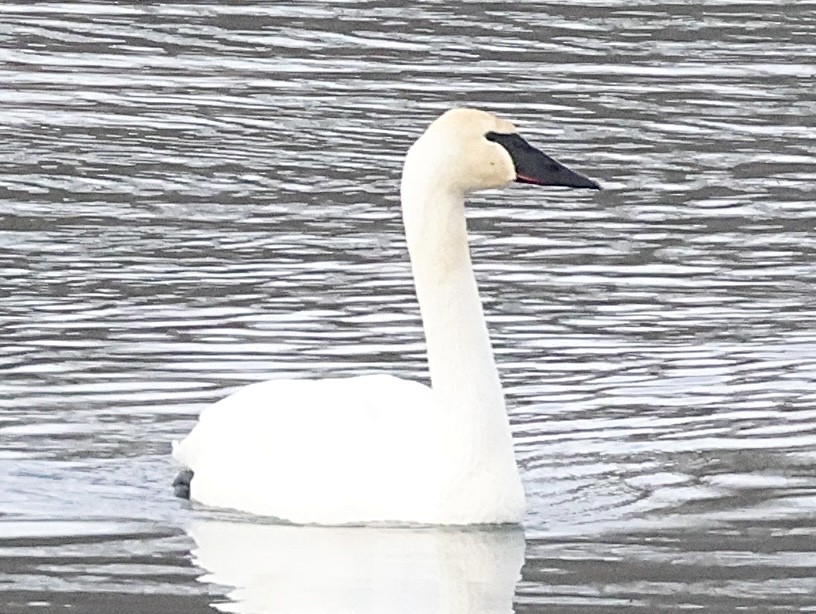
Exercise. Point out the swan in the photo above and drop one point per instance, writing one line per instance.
(377, 448)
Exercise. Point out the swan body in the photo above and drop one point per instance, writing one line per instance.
(376, 448)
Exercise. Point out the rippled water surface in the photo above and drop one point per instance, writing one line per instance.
(198, 196)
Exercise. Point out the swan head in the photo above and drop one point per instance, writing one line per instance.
(467, 150)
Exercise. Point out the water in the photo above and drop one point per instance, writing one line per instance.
(198, 196)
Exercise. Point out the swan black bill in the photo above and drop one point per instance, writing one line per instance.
(536, 167)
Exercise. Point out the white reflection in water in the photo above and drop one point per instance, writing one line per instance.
(333, 570)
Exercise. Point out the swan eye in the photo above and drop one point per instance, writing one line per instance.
(508, 140)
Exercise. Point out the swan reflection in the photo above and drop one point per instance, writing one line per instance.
(286, 568)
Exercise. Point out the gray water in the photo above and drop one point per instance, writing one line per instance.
(198, 196)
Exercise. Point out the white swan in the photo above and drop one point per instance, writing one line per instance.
(378, 448)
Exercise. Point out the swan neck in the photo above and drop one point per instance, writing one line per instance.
(463, 372)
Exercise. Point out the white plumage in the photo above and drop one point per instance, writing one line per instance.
(377, 448)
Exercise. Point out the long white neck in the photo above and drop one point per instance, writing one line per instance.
(464, 378)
